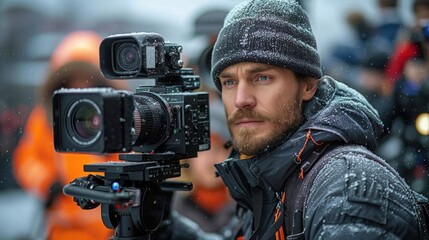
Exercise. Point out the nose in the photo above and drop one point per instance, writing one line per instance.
(244, 97)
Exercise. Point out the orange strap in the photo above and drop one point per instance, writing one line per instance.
(280, 235)
(298, 157)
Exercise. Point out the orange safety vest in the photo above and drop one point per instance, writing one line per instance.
(37, 166)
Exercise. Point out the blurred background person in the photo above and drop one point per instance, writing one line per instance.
(371, 82)
(42, 171)
(407, 76)
(209, 203)
(411, 109)
(344, 60)
(390, 24)
(368, 36)
(411, 42)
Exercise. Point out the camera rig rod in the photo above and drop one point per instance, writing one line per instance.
(101, 194)
(88, 194)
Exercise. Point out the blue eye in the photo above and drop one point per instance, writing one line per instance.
(228, 83)
(262, 79)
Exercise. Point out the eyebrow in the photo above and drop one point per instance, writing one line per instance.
(252, 70)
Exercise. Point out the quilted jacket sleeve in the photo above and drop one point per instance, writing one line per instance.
(355, 197)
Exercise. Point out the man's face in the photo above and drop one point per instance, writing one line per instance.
(262, 102)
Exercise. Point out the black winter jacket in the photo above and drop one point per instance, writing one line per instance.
(352, 197)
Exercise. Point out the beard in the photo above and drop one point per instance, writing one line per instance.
(283, 120)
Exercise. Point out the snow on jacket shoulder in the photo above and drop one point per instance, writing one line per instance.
(355, 197)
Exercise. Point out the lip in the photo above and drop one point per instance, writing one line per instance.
(247, 122)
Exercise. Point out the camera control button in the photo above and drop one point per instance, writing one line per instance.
(188, 108)
(176, 109)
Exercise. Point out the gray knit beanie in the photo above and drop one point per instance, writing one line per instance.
(275, 32)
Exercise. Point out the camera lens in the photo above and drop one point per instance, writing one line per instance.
(152, 120)
(85, 121)
(127, 57)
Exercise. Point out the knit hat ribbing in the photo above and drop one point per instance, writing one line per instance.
(275, 32)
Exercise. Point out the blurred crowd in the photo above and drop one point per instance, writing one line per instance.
(388, 61)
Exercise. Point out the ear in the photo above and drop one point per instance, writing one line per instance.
(308, 88)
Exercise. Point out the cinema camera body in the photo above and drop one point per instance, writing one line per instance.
(163, 115)
(163, 122)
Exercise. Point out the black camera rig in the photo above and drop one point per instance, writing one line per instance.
(153, 129)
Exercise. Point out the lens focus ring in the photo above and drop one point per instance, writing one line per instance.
(152, 120)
